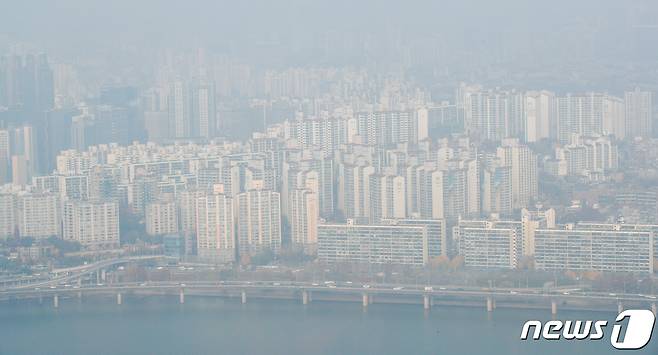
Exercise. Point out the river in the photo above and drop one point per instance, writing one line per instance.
(159, 325)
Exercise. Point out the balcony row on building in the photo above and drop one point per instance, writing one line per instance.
(534, 242)
(226, 228)
(543, 245)
(93, 224)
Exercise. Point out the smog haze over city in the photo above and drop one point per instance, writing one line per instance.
(328, 177)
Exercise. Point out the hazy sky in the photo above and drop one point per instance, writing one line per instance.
(206, 20)
(472, 38)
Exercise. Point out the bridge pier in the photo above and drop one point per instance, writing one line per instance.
(620, 307)
(56, 301)
(427, 302)
(119, 299)
(181, 296)
(365, 299)
(244, 296)
(305, 298)
(553, 307)
(654, 308)
(490, 304)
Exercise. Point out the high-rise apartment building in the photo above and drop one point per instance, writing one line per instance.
(73, 187)
(386, 127)
(179, 110)
(304, 219)
(93, 224)
(324, 133)
(590, 114)
(592, 157)
(26, 82)
(7, 215)
(258, 218)
(5, 156)
(204, 110)
(540, 115)
(315, 172)
(187, 208)
(38, 215)
(387, 198)
(24, 155)
(523, 170)
(161, 218)
(497, 189)
(494, 115)
(192, 110)
(354, 190)
(428, 192)
(215, 228)
(639, 113)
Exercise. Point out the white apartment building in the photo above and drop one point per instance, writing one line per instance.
(639, 113)
(161, 218)
(304, 219)
(258, 218)
(594, 250)
(375, 244)
(590, 114)
(484, 244)
(92, 224)
(215, 228)
(540, 115)
(7, 215)
(38, 215)
(523, 171)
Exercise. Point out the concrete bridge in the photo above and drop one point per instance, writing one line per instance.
(306, 293)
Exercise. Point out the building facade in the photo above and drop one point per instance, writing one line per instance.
(94, 225)
(594, 250)
(372, 244)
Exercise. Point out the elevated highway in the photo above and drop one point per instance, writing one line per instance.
(63, 275)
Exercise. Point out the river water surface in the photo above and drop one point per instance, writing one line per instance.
(159, 325)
